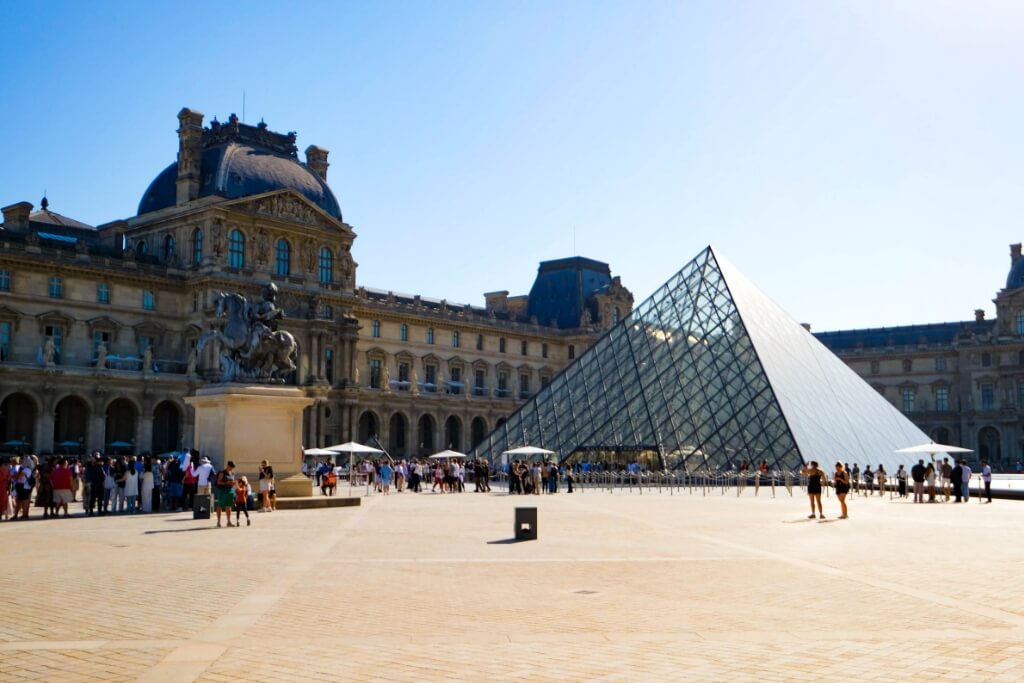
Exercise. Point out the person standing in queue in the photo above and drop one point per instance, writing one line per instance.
(842, 483)
(815, 478)
(224, 492)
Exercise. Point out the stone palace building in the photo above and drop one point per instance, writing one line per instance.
(98, 324)
(960, 382)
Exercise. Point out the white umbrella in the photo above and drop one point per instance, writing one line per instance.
(353, 447)
(528, 450)
(319, 451)
(933, 448)
(447, 454)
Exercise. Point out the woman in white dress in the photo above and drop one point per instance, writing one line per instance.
(147, 486)
(131, 487)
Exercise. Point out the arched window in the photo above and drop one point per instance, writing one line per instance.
(197, 246)
(326, 266)
(141, 248)
(283, 258)
(236, 249)
(168, 248)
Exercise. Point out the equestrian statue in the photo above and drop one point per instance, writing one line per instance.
(252, 349)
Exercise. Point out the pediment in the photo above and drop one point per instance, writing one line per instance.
(456, 360)
(55, 318)
(150, 329)
(10, 314)
(288, 206)
(104, 322)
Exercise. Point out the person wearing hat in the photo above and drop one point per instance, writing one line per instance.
(204, 475)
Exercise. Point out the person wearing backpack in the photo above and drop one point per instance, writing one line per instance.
(224, 492)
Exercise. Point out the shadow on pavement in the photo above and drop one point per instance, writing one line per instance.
(504, 541)
(178, 531)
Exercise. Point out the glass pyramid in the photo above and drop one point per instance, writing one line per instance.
(706, 373)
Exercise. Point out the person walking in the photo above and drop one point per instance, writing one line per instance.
(842, 483)
(869, 480)
(386, 472)
(61, 479)
(917, 473)
(816, 477)
(224, 492)
(986, 478)
(855, 477)
(956, 476)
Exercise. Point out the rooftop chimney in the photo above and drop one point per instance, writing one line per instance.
(190, 154)
(316, 159)
(16, 216)
(979, 315)
(1014, 253)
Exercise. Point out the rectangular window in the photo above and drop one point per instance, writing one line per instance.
(572, 351)
(100, 338)
(455, 339)
(5, 280)
(908, 400)
(329, 365)
(523, 347)
(148, 300)
(430, 335)
(431, 373)
(986, 360)
(940, 364)
(195, 302)
(988, 396)
(543, 350)
(102, 293)
(942, 399)
(1020, 395)
(56, 288)
(479, 342)
(524, 386)
(375, 373)
(875, 367)
(501, 345)
(5, 344)
(479, 388)
(404, 333)
(503, 383)
(56, 333)
(455, 375)
(376, 329)
(908, 365)
(544, 381)
(145, 343)
(403, 376)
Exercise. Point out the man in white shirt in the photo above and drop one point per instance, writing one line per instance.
(204, 475)
(966, 480)
(986, 476)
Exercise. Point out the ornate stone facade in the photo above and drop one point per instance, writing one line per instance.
(961, 382)
(122, 305)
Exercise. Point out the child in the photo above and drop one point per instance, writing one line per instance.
(241, 500)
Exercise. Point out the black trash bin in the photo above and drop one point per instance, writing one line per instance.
(201, 507)
(526, 524)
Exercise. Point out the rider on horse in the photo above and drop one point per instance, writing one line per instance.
(263, 319)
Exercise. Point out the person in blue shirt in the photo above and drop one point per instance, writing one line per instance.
(385, 477)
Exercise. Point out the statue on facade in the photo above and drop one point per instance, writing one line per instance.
(49, 351)
(387, 379)
(193, 360)
(147, 359)
(101, 356)
(252, 348)
(261, 244)
(414, 387)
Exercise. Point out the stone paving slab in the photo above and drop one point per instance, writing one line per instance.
(618, 587)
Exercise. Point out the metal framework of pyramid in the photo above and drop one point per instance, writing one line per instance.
(706, 373)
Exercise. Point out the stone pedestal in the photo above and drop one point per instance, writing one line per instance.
(250, 423)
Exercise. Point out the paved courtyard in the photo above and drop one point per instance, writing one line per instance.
(619, 587)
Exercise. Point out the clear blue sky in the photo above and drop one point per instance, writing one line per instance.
(860, 161)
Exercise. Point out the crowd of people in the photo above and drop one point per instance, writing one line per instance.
(385, 475)
(938, 480)
(126, 484)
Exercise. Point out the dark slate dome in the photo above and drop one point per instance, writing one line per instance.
(240, 161)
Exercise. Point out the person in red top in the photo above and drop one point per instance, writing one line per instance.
(241, 501)
(60, 479)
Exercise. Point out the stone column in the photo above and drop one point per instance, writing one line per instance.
(97, 431)
(44, 430)
(321, 421)
(144, 437)
(314, 426)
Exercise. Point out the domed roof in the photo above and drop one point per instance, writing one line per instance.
(1016, 277)
(241, 161)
